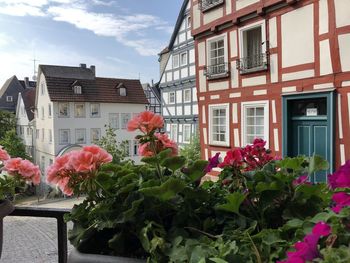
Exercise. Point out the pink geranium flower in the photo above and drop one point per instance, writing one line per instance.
(3, 154)
(233, 158)
(341, 200)
(83, 162)
(213, 162)
(301, 180)
(24, 169)
(100, 155)
(162, 142)
(341, 178)
(146, 121)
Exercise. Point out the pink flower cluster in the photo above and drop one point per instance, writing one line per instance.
(340, 179)
(251, 157)
(24, 169)
(301, 180)
(146, 121)
(74, 167)
(307, 250)
(162, 142)
(3, 155)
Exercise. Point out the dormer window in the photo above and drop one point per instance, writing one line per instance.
(122, 90)
(77, 89)
(9, 98)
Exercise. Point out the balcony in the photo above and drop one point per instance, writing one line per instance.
(205, 5)
(255, 63)
(217, 71)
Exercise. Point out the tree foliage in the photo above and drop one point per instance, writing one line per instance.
(14, 145)
(192, 151)
(7, 122)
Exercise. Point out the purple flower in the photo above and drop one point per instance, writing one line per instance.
(321, 229)
(301, 180)
(341, 200)
(340, 178)
(213, 162)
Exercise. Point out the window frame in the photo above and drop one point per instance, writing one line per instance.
(169, 94)
(75, 110)
(91, 133)
(122, 94)
(60, 131)
(212, 107)
(184, 134)
(59, 110)
(9, 98)
(190, 96)
(178, 61)
(49, 110)
(123, 124)
(76, 135)
(117, 122)
(251, 104)
(98, 112)
(211, 40)
(77, 89)
(186, 59)
(171, 135)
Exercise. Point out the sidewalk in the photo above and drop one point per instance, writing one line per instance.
(51, 203)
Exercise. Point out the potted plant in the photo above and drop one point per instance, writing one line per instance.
(15, 173)
(160, 211)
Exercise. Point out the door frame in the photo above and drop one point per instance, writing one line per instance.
(286, 116)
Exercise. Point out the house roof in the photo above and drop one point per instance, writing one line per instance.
(28, 97)
(32, 84)
(67, 72)
(7, 84)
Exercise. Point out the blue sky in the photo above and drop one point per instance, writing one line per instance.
(120, 37)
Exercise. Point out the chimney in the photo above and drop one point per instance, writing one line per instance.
(26, 82)
(82, 65)
(93, 69)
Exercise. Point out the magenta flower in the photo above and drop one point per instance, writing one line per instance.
(321, 229)
(341, 200)
(340, 178)
(301, 180)
(213, 162)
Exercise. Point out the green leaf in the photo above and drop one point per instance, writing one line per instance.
(262, 186)
(317, 163)
(293, 223)
(165, 191)
(321, 217)
(174, 163)
(150, 160)
(196, 170)
(218, 260)
(234, 202)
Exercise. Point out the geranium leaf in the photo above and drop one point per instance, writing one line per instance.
(149, 160)
(234, 201)
(317, 163)
(174, 163)
(165, 191)
(196, 170)
(218, 260)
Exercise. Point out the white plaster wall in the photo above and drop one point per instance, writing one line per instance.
(192, 70)
(176, 75)
(212, 15)
(182, 37)
(194, 94)
(273, 32)
(192, 57)
(169, 65)
(234, 76)
(243, 3)
(274, 68)
(344, 49)
(298, 75)
(228, 7)
(179, 96)
(187, 110)
(325, 58)
(179, 110)
(196, 17)
(169, 76)
(171, 111)
(184, 72)
(260, 80)
(233, 44)
(202, 81)
(218, 85)
(195, 109)
(342, 11)
(201, 54)
(22, 120)
(298, 36)
(165, 97)
(323, 8)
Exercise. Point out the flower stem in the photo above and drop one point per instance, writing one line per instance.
(104, 189)
(159, 170)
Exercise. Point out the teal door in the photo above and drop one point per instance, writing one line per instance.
(310, 137)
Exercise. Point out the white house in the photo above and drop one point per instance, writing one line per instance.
(73, 107)
(25, 118)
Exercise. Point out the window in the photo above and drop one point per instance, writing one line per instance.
(80, 135)
(187, 95)
(64, 136)
(42, 88)
(50, 135)
(219, 125)
(79, 110)
(28, 131)
(136, 148)
(42, 113)
(126, 147)
(183, 59)
(9, 98)
(173, 132)
(42, 134)
(95, 110)
(95, 134)
(51, 162)
(255, 122)
(217, 57)
(253, 48)
(77, 89)
(37, 134)
(176, 61)
(63, 109)
(126, 117)
(114, 120)
(21, 130)
(50, 110)
(187, 133)
(171, 97)
(122, 91)
(42, 164)
(188, 22)
(208, 4)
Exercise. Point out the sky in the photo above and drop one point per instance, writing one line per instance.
(120, 37)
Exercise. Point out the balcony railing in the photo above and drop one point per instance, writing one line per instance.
(253, 63)
(205, 5)
(217, 71)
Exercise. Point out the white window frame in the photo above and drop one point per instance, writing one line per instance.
(42, 134)
(42, 89)
(135, 148)
(50, 136)
(9, 98)
(184, 134)
(114, 115)
(77, 89)
(215, 39)
(98, 111)
(212, 107)
(122, 92)
(186, 59)
(248, 104)
(60, 136)
(172, 92)
(124, 123)
(188, 21)
(50, 110)
(91, 134)
(42, 112)
(172, 135)
(190, 96)
(84, 136)
(261, 24)
(75, 110)
(59, 110)
(178, 61)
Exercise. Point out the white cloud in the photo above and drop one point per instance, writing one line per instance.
(123, 28)
(5, 40)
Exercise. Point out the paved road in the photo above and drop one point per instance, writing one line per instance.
(32, 240)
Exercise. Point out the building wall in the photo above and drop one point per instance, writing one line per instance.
(309, 47)
(24, 129)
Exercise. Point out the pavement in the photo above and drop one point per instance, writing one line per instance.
(33, 240)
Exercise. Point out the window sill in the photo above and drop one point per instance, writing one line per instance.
(253, 70)
(218, 76)
(220, 144)
(213, 6)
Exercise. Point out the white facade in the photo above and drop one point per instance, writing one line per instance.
(77, 124)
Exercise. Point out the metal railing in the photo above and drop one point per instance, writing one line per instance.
(217, 71)
(61, 225)
(253, 63)
(208, 4)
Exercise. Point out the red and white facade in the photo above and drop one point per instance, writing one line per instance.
(251, 54)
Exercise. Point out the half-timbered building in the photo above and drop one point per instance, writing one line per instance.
(277, 70)
(178, 81)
